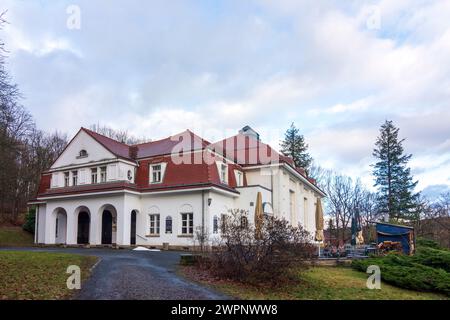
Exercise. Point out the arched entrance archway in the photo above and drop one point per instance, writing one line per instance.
(108, 227)
(84, 222)
(107, 221)
(60, 216)
(133, 227)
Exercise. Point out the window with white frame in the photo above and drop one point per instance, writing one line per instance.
(223, 173)
(168, 224)
(244, 222)
(187, 223)
(156, 173)
(239, 180)
(66, 179)
(74, 178)
(102, 174)
(94, 175)
(154, 224)
(215, 224)
(82, 154)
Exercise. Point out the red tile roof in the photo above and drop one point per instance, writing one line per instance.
(185, 141)
(243, 150)
(248, 151)
(120, 149)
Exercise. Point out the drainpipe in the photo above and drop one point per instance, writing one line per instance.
(271, 189)
(203, 220)
(36, 225)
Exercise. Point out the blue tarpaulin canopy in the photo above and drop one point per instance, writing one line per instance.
(396, 233)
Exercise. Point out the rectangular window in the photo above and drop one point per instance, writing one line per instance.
(74, 178)
(215, 224)
(223, 173)
(56, 231)
(223, 223)
(94, 175)
(154, 224)
(239, 179)
(66, 179)
(102, 174)
(187, 223)
(156, 173)
(168, 225)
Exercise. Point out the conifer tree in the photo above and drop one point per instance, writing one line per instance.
(294, 146)
(393, 177)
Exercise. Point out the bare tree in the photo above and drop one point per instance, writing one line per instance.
(434, 222)
(118, 135)
(345, 198)
(263, 256)
(24, 151)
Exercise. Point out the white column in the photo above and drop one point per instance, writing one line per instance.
(50, 227)
(124, 223)
(95, 228)
(72, 227)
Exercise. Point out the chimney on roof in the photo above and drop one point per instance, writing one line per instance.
(133, 152)
(248, 131)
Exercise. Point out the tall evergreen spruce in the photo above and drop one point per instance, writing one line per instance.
(295, 147)
(392, 176)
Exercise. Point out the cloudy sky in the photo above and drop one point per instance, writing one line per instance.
(155, 68)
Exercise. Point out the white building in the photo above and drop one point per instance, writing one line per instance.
(100, 191)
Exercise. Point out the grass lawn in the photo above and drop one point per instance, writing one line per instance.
(317, 283)
(15, 237)
(39, 275)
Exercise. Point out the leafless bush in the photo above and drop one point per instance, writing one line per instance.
(265, 256)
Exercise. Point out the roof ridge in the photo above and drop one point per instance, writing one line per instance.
(96, 133)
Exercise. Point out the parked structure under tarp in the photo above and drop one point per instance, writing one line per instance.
(396, 233)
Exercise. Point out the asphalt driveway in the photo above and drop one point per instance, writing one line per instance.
(127, 274)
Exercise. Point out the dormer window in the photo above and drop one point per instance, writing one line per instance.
(223, 173)
(82, 154)
(239, 178)
(157, 172)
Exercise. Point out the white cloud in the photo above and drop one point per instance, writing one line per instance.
(185, 65)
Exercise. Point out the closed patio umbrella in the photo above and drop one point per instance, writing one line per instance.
(319, 221)
(259, 216)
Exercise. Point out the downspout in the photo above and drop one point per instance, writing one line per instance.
(271, 188)
(203, 220)
(36, 225)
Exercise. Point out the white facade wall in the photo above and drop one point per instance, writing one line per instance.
(285, 192)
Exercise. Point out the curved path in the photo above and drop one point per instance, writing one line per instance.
(127, 274)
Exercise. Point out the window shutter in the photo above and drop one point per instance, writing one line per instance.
(82, 176)
(112, 172)
(55, 181)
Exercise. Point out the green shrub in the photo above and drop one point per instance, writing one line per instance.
(433, 258)
(404, 272)
(30, 220)
(422, 242)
